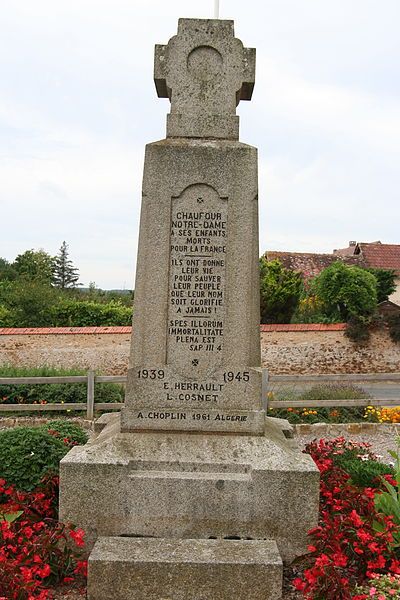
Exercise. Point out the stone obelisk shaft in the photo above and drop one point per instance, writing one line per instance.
(195, 356)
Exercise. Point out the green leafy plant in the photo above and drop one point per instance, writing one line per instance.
(312, 310)
(334, 391)
(280, 290)
(71, 312)
(386, 282)
(394, 327)
(27, 454)
(66, 430)
(350, 290)
(365, 473)
(357, 330)
(388, 501)
(34, 265)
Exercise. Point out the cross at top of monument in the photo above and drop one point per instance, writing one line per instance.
(205, 71)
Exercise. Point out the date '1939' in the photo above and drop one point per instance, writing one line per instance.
(151, 374)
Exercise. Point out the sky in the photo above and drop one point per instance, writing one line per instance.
(78, 104)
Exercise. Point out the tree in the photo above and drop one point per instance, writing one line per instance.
(7, 271)
(34, 265)
(29, 303)
(280, 290)
(385, 282)
(65, 274)
(349, 290)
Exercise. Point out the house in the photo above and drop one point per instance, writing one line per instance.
(310, 264)
(362, 254)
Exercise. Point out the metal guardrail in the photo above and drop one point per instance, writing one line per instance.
(391, 380)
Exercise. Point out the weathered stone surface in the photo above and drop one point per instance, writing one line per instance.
(191, 486)
(196, 339)
(205, 72)
(161, 569)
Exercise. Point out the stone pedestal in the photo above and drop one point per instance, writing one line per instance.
(161, 569)
(184, 485)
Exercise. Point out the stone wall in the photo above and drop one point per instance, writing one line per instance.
(306, 350)
(286, 349)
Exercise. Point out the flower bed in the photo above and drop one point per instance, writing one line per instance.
(36, 550)
(331, 414)
(355, 540)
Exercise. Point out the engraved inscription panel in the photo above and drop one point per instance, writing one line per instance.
(196, 303)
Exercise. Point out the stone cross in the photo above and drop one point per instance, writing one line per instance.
(205, 71)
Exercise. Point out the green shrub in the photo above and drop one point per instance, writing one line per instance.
(394, 327)
(5, 316)
(357, 330)
(71, 312)
(27, 454)
(66, 429)
(388, 501)
(334, 391)
(364, 473)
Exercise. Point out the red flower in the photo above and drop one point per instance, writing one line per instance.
(81, 568)
(356, 519)
(298, 583)
(33, 542)
(77, 535)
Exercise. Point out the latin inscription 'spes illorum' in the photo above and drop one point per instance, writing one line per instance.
(197, 274)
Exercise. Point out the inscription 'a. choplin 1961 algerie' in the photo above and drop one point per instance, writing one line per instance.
(172, 416)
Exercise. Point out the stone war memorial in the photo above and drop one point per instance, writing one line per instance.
(191, 493)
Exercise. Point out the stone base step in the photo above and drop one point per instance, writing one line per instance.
(123, 568)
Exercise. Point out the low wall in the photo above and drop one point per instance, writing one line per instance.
(308, 350)
(286, 349)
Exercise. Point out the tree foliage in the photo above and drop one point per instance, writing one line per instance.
(34, 265)
(280, 290)
(386, 284)
(65, 275)
(7, 270)
(72, 312)
(27, 303)
(37, 290)
(348, 290)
